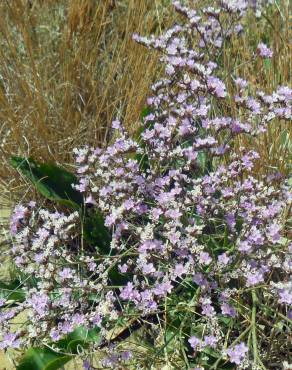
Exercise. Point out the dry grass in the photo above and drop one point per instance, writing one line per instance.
(67, 69)
(275, 147)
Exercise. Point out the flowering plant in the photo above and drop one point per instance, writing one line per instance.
(170, 233)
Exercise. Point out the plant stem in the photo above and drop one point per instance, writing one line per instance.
(253, 325)
(256, 357)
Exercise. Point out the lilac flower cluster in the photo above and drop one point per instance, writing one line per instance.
(179, 214)
(264, 51)
(61, 282)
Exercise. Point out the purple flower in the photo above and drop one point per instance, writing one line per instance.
(208, 310)
(253, 105)
(66, 327)
(156, 213)
(55, 335)
(285, 296)
(18, 215)
(254, 278)
(194, 342)
(263, 51)
(126, 355)
(200, 280)
(242, 84)
(179, 270)
(237, 353)
(204, 258)
(228, 310)
(216, 86)
(148, 268)
(86, 365)
(223, 259)
(210, 340)
(123, 268)
(163, 288)
(97, 320)
(83, 184)
(244, 246)
(273, 232)
(92, 266)
(9, 340)
(175, 214)
(90, 200)
(129, 293)
(116, 125)
(39, 303)
(78, 319)
(66, 274)
(230, 220)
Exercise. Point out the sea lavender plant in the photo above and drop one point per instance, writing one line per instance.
(198, 247)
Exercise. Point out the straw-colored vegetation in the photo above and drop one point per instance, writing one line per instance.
(67, 69)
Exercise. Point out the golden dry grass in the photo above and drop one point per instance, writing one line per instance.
(274, 28)
(67, 69)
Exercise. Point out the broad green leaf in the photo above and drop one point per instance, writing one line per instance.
(80, 337)
(81, 333)
(42, 359)
(95, 233)
(51, 181)
(11, 291)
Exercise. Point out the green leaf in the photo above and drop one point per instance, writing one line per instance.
(202, 161)
(95, 233)
(211, 352)
(81, 333)
(42, 359)
(11, 291)
(51, 181)
(80, 337)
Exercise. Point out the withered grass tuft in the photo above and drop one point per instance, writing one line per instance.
(67, 69)
(275, 29)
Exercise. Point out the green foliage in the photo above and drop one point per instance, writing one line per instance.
(50, 180)
(78, 339)
(204, 163)
(95, 233)
(47, 359)
(11, 291)
(42, 359)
